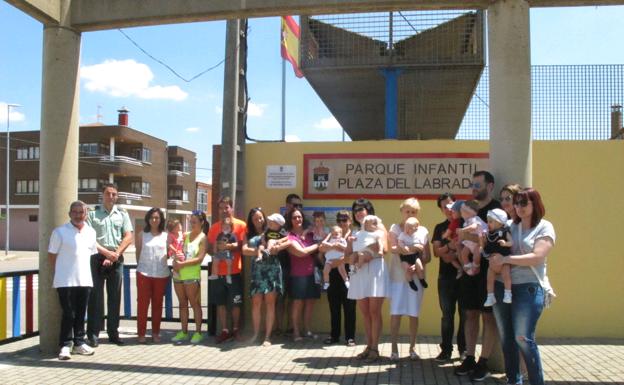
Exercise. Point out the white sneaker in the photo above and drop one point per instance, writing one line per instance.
(212, 277)
(326, 286)
(65, 353)
(507, 296)
(228, 279)
(490, 300)
(84, 350)
(347, 284)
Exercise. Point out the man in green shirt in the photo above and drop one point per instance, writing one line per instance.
(114, 234)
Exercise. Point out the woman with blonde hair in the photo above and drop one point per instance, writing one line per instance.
(403, 300)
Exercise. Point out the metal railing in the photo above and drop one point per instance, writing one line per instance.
(22, 284)
(20, 328)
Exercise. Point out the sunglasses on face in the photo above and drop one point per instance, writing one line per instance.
(521, 203)
(476, 185)
(340, 220)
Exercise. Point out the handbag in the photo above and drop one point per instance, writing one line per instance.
(549, 292)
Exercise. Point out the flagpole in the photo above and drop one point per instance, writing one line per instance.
(283, 100)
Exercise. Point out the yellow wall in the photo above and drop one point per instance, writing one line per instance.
(580, 183)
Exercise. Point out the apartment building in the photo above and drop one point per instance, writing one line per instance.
(204, 199)
(147, 172)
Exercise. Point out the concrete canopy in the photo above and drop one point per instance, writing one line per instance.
(90, 15)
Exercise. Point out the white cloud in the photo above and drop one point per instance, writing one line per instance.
(328, 124)
(127, 78)
(192, 129)
(292, 138)
(15, 116)
(256, 110)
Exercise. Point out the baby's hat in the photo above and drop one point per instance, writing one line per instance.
(497, 215)
(455, 206)
(277, 218)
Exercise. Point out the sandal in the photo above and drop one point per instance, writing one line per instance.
(414, 356)
(364, 354)
(394, 356)
(373, 356)
(350, 342)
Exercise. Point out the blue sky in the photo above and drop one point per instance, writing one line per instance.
(115, 73)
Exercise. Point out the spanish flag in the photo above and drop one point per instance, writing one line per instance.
(290, 43)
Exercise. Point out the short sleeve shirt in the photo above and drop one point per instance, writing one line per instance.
(447, 270)
(301, 266)
(239, 229)
(523, 243)
(109, 227)
(73, 249)
(482, 213)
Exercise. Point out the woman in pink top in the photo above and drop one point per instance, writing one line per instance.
(304, 288)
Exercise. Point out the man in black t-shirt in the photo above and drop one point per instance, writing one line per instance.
(448, 285)
(473, 292)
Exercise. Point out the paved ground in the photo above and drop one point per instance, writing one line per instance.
(565, 362)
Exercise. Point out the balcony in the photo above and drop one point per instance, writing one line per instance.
(125, 196)
(176, 202)
(120, 159)
(176, 172)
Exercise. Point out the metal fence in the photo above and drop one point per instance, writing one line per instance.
(411, 38)
(18, 303)
(569, 102)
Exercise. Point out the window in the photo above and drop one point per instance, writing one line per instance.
(185, 197)
(141, 188)
(89, 149)
(87, 184)
(175, 194)
(143, 154)
(186, 167)
(202, 199)
(24, 153)
(27, 187)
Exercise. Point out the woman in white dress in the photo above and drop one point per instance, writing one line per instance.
(404, 301)
(369, 285)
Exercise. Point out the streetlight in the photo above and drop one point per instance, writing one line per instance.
(8, 147)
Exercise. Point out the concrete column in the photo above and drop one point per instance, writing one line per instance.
(111, 148)
(58, 166)
(510, 102)
(229, 132)
(510, 91)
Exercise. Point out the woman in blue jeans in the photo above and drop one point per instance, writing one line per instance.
(533, 238)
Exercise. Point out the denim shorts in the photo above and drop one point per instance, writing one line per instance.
(304, 288)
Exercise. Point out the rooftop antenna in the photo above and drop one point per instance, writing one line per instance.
(98, 116)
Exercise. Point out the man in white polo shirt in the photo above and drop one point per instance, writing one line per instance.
(69, 253)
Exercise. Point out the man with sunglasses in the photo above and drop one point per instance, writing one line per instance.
(473, 291)
(293, 201)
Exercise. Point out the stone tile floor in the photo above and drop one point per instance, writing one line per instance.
(566, 361)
